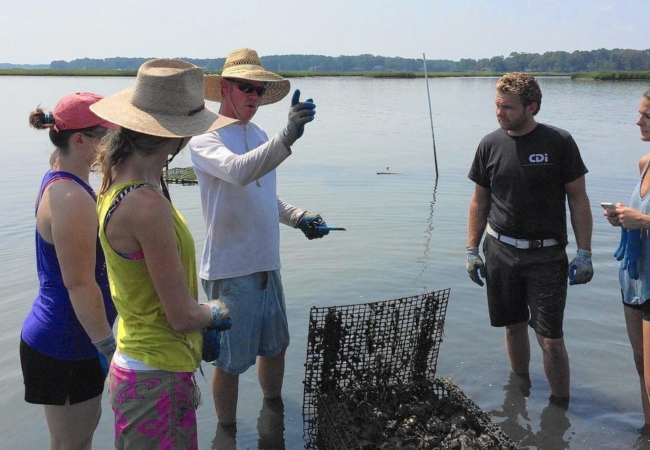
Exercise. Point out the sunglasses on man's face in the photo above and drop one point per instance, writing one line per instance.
(248, 88)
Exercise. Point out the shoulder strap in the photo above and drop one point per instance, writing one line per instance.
(119, 197)
(645, 169)
(56, 176)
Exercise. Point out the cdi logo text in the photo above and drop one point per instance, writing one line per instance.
(538, 158)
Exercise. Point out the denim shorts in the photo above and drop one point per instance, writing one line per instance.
(154, 409)
(259, 319)
(526, 285)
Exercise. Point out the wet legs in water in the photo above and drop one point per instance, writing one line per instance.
(556, 360)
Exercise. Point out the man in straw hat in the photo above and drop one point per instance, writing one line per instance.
(235, 168)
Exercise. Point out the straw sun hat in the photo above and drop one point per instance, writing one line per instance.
(166, 100)
(244, 64)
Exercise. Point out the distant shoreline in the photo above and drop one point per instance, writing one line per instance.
(598, 75)
(286, 74)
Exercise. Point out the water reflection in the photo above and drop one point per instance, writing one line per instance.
(270, 425)
(553, 424)
(225, 437)
(516, 422)
(641, 442)
(270, 429)
(424, 260)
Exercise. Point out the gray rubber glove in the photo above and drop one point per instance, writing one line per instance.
(475, 265)
(299, 115)
(580, 269)
(105, 350)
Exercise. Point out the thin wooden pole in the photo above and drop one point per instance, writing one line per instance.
(426, 79)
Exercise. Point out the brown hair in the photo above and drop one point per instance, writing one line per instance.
(41, 120)
(119, 144)
(523, 85)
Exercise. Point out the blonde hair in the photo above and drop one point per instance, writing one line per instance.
(118, 145)
(523, 85)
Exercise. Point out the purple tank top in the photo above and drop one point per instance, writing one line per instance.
(52, 327)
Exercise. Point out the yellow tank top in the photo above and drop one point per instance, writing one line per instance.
(143, 331)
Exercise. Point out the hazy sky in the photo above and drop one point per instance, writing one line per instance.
(38, 33)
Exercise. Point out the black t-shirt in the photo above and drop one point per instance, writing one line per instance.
(526, 176)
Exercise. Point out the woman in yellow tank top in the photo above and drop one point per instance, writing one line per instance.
(151, 261)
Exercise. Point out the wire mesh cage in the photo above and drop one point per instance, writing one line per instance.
(370, 380)
(180, 175)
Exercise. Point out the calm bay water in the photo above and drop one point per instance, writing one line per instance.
(405, 236)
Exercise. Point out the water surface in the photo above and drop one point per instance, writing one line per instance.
(405, 236)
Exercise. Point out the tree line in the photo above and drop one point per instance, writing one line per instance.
(554, 62)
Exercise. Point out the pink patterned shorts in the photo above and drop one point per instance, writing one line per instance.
(154, 409)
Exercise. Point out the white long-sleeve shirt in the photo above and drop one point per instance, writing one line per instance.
(235, 169)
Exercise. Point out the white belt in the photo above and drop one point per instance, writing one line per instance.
(521, 243)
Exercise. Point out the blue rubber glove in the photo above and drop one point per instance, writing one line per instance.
(299, 115)
(581, 270)
(620, 251)
(632, 251)
(221, 320)
(211, 345)
(309, 224)
(475, 265)
(309, 104)
(105, 350)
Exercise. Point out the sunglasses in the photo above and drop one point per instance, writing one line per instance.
(248, 88)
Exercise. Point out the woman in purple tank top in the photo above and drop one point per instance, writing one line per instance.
(67, 340)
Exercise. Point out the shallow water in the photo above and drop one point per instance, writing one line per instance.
(405, 236)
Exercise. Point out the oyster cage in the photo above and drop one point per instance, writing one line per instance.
(370, 380)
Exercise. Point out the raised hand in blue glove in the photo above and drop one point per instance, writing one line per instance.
(475, 265)
(299, 115)
(632, 250)
(312, 225)
(580, 269)
(620, 251)
(105, 350)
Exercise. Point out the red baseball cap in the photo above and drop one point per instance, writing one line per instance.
(73, 112)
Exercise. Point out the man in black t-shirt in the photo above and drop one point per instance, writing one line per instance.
(524, 173)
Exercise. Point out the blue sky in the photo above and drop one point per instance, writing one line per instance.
(40, 32)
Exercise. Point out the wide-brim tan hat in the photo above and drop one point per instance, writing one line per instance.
(166, 100)
(244, 64)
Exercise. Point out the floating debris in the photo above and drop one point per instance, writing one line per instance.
(387, 172)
